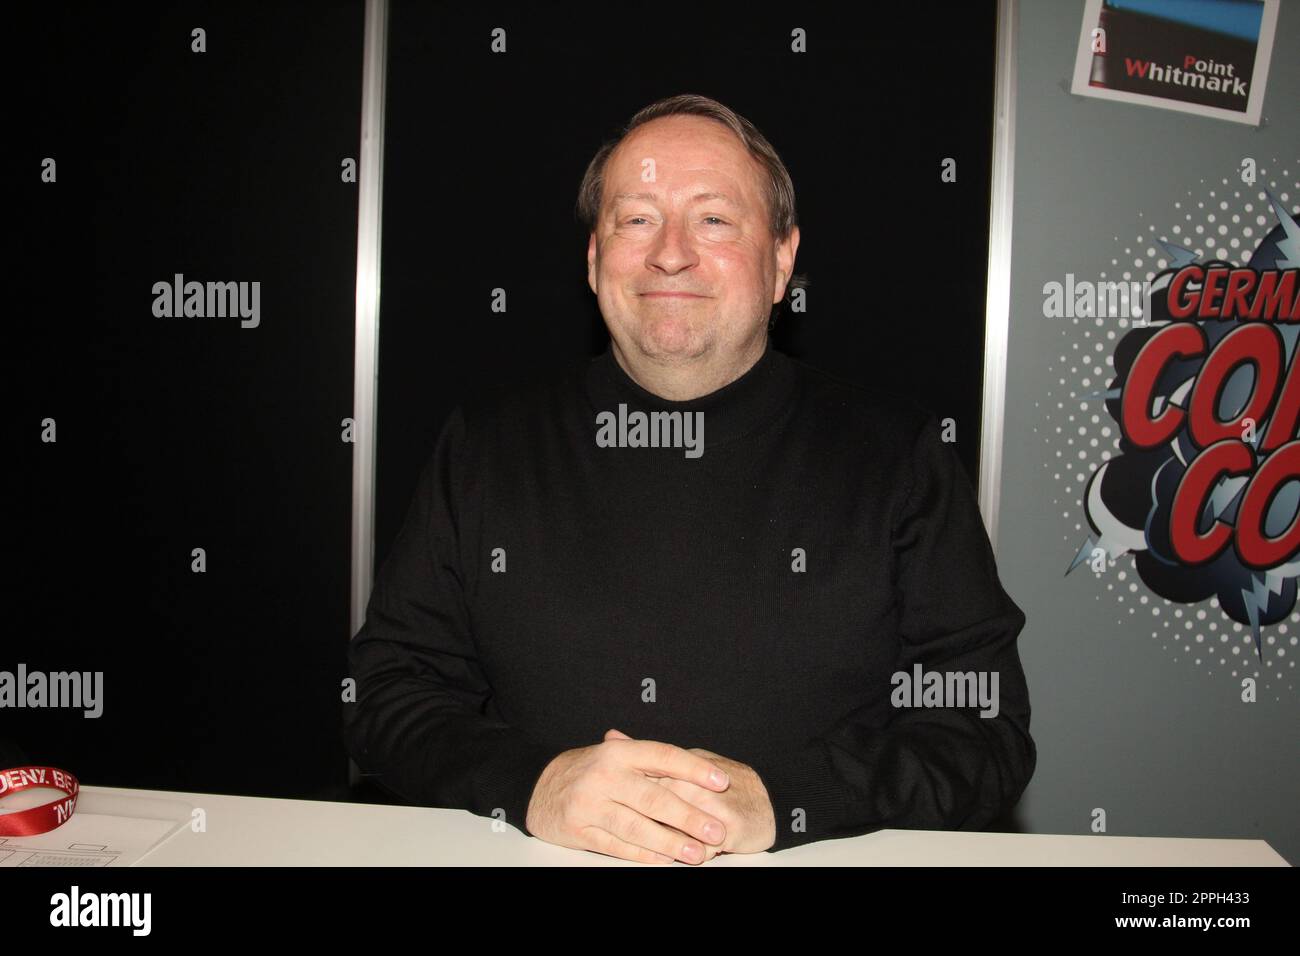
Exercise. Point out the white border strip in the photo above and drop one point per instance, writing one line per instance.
(366, 359)
(997, 305)
(365, 362)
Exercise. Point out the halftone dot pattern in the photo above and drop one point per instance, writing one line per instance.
(1223, 220)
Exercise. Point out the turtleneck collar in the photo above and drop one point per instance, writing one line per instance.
(730, 412)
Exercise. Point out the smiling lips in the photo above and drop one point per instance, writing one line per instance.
(671, 295)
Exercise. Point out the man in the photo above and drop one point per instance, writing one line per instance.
(665, 642)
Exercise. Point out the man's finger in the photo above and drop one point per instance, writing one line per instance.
(658, 803)
(656, 758)
(699, 797)
(639, 830)
(602, 841)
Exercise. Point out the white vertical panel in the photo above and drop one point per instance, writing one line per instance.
(365, 396)
(997, 306)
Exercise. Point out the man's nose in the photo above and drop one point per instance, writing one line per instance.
(673, 248)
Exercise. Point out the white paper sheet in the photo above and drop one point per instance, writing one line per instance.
(105, 830)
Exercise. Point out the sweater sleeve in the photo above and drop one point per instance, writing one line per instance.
(419, 725)
(936, 768)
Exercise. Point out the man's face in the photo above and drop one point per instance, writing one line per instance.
(684, 265)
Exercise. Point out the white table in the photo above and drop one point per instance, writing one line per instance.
(254, 831)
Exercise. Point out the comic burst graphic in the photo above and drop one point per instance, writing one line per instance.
(1202, 489)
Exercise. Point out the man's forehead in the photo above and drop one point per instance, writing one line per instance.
(703, 195)
(693, 167)
(703, 144)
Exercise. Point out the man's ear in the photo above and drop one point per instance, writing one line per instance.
(785, 253)
(591, 262)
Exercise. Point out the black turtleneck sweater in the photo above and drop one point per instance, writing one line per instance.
(753, 600)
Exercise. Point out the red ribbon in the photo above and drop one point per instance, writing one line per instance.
(46, 817)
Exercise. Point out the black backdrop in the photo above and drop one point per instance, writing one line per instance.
(181, 433)
(484, 153)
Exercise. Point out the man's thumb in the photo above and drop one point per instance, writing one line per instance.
(612, 734)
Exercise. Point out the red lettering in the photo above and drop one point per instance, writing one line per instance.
(1182, 339)
(1136, 66)
(1240, 281)
(1275, 295)
(1254, 548)
(1209, 292)
(1282, 427)
(1190, 546)
(1271, 295)
(1260, 345)
(1179, 307)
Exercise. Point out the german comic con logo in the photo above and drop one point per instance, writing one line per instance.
(1205, 490)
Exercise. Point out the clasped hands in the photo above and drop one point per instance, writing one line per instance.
(652, 802)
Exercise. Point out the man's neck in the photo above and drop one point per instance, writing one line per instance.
(683, 381)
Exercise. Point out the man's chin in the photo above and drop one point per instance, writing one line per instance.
(672, 337)
(673, 350)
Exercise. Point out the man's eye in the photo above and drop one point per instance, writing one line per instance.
(716, 219)
(634, 218)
